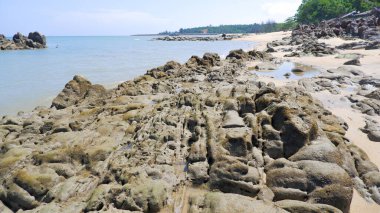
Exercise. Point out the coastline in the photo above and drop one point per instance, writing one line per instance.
(23, 74)
(354, 118)
(137, 135)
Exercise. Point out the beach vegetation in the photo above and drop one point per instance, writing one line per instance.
(314, 11)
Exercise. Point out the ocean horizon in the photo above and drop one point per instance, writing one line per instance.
(31, 78)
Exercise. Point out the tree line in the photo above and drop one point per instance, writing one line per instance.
(310, 11)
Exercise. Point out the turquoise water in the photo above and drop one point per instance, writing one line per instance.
(30, 78)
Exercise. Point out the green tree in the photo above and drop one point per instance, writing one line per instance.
(364, 5)
(313, 11)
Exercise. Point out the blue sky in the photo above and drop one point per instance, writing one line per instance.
(125, 17)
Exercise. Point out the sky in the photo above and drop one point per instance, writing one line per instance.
(127, 17)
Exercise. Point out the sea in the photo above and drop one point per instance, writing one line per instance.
(30, 78)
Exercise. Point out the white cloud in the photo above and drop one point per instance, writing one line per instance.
(107, 22)
(280, 10)
(111, 16)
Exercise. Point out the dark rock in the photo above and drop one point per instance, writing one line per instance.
(37, 37)
(238, 54)
(20, 42)
(355, 62)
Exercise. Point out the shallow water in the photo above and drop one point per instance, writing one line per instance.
(288, 68)
(34, 77)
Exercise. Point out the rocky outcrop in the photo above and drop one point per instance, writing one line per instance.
(199, 38)
(362, 26)
(77, 90)
(35, 40)
(203, 136)
(372, 129)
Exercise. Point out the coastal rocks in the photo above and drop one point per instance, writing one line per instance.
(77, 90)
(312, 47)
(232, 120)
(374, 95)
(359, 25)
(198, 38)
(316, 49)
(367, 45)
(225, 142)
(299, 206)
(238, 54)
(35, 40)
(215, 202)
(368, 106)
(148, 197)
(38, 38)
(372, 129)
(250, 55)
(355, 62)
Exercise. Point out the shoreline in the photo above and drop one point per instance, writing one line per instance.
(145, 126)
(125, 66)
(354, 118)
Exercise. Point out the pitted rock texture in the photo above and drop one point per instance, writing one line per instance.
(196, 137)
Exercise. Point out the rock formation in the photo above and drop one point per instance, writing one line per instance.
(203, 136)
(35, 40)
(198, 38)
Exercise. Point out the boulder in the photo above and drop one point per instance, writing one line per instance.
(374, 95)
(198, 172)
(17, 198)
(76, 91)
(296, 131)
(333, 195)
(238, 141)
(19, 38)
(232, 176)
(232, 120)
(296, 206)
(323, 151)
(287, 178)
(238, 54)
(37, 37)
(372, 129)
(214, 202)
(320, 174)
(151, 196)
(355, 62)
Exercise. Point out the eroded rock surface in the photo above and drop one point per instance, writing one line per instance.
(204, 136)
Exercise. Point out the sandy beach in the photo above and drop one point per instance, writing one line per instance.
(336, 103)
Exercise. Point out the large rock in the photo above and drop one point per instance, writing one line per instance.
(76, 91)
(232, 120)
(20, 42)
(296, 131)
(151, 196)
(295, 206)
(323, 151)
(215, 202)
(37, 37)
(238, 54)
(232, 176)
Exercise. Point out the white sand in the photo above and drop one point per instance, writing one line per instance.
(337, 104)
